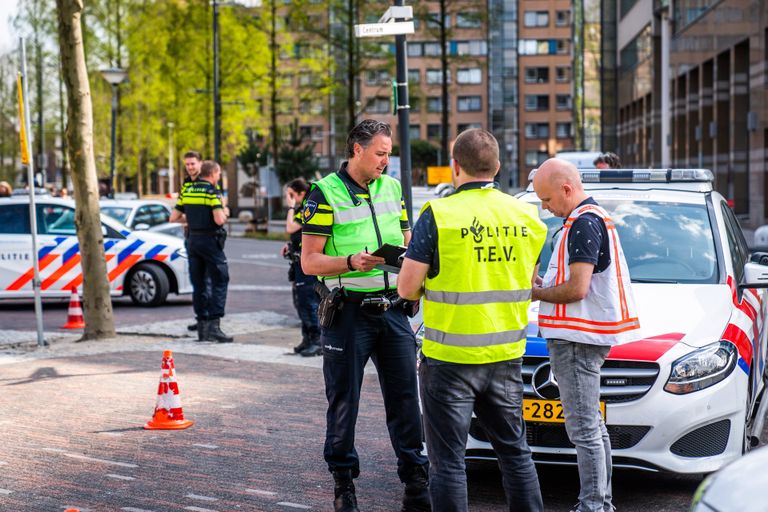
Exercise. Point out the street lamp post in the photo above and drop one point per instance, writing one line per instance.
(115, 76)
(216, 87)
(171, 178)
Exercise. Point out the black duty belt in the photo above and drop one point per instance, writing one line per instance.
(203, 232)
(367, 297)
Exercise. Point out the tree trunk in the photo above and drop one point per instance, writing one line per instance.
(97, 304)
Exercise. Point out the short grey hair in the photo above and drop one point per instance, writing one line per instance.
(364, 133)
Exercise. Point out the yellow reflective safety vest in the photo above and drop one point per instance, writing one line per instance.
(607, 315)
(359, 224)
(476, 308)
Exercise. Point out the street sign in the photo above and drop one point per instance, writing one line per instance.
(384, 29)
(397, 12)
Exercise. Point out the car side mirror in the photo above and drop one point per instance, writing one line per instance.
(756, 271)
(141, 226)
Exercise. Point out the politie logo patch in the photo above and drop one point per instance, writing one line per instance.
(309, 210)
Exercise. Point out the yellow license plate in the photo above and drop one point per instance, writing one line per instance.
(547, 411)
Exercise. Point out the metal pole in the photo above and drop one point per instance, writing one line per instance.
(171, 179)
(32, 208)
(403, 119)
(216, 85)
(114, 137)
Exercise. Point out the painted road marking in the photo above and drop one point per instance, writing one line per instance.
(293, 505)
(208, 446)
(198, 509)
(5, 491)
(3, 463)
(131, 509)
(201, 498)
(257, 288)
(113, 434)
(103, 461)
(260, 492)
(120, 477)
(56, 450)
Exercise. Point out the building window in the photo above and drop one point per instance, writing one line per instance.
(563, 102)
(537, 75)
(563, 74)
(433, 20)
(414, 131)
(474, 48)
(536, 102)
(536, 130)
(415, 49)
(536, 18)
(415, 102)
(468, 126)
(414, 76)
(308, 79)
(377, 105)
(469, 76)
(537, 47)
(435, 104)
(469, 20)
(469, 104)
(378, 77)
(534, 158)
(562, 18)
(431, 49)
(563, 130)
(563, 46)
(434, 131)
(435, 76)
(637, 50)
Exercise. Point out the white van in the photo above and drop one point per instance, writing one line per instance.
(581, 159)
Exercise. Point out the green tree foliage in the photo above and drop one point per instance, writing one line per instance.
(296, 159)
(423, 154)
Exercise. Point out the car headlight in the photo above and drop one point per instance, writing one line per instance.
(181, 253)
(702, 368)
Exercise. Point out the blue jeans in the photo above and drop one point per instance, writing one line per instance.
(305, 302)
(449, 394)
(576, 367)
(359, 334)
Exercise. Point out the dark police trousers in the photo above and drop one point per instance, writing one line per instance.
(359, 333)
(206, 257)
(305, 302)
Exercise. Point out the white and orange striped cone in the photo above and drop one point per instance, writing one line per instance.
(74, 313)
(168, 412)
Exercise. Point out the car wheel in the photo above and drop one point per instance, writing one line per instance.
(148, 285)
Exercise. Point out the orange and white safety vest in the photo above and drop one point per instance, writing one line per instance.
(607, 315)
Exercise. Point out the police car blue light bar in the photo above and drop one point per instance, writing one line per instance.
(642, 175)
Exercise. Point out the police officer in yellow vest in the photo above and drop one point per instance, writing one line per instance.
(348, 215)
(474, 257)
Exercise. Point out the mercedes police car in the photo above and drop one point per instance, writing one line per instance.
(685, 397)
(143, 265)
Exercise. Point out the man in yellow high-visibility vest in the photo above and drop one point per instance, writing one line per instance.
(473, 256)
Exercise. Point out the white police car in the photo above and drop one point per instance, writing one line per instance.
(685, 397)
(143, 265)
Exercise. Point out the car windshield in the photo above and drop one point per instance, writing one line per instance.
(117, 212)
(662, 241)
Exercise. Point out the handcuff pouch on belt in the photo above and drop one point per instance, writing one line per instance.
(331, 302)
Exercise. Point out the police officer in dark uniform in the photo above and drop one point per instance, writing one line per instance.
(348, 215)
(192, 163)
(201, 204)
(303, 286)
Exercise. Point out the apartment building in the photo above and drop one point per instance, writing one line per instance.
(693, 92)
(545, 81)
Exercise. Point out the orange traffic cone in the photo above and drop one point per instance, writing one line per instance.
(168, 413)
(74, 313)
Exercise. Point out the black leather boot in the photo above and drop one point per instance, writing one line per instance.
(203, 330)
(344, 492)
(416, 495)
(216, 334)
(192, 327)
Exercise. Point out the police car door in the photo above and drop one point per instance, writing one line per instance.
(15, 251)
(60, 269)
